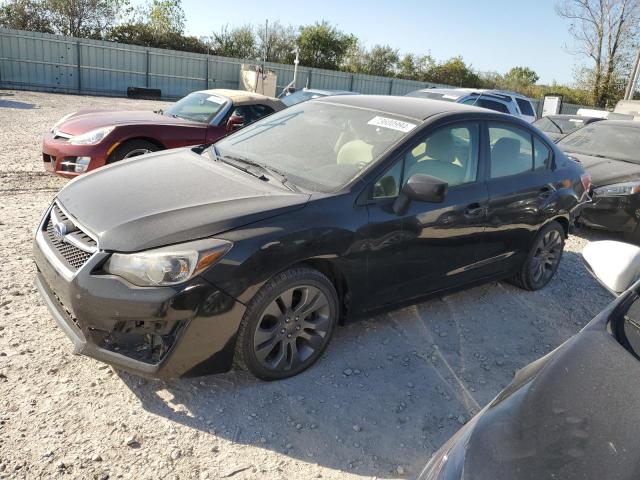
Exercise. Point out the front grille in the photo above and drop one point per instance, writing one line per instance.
(68, 247)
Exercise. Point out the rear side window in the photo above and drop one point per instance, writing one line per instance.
(511, 150)
(486, 103)
(541, 155)
(525, 107)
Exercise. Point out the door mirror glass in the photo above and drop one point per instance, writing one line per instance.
(616, 265)
(234, 123)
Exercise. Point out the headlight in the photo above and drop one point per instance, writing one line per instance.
(167, 265)
(92, 137)
(618, 189)
(61, 121)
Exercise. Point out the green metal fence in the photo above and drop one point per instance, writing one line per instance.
(41, 61)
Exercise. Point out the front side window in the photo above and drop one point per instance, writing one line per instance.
(197, 107)
(511, 150)
(317, 145)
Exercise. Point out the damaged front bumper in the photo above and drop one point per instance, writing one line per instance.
(616, 213)
(183, 330)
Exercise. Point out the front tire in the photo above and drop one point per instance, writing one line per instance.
(543, 259)
(132, 148)
(287, 325)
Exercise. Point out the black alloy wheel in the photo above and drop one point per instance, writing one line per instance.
(543, 259)
(288, 324)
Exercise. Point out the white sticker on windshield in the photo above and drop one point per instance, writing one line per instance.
(451, 97)
(392, 123)
(215, 99)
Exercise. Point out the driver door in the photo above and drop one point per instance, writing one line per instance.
(433, 246)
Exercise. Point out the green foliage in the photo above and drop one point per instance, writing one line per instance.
(381, 60)
(453, 72)
(145, 35)
(323, 46)
(165, 16)
(25, 15)
(238, 42)
(521, 76)
(276, 42)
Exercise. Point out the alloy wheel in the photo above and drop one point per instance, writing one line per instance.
(293, 327)
(136, 152)
(546, 257)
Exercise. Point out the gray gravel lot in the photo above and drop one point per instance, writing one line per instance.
(388, 392)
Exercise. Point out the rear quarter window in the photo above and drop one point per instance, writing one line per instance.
(525, 107)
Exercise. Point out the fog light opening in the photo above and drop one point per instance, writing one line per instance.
(82, 164)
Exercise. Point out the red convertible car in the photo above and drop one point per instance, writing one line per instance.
(88, 139)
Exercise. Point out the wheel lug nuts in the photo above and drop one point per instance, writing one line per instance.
(287, 320)
(298, 327)
(288, 335)
(282, 331)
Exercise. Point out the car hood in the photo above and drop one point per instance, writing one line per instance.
(569, 415)
(607, 171)
(170, 197)
(87, 120)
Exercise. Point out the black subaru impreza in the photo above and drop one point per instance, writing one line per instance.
(251, 251)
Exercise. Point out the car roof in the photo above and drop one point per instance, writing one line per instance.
(240, 97)
(328, 92)
(475, 91)
(412, 107)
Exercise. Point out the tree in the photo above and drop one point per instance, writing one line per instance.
(277, 42)
(25, 15)
(165, 16)
(84, 18)
(603, 31)
(453, 72)
(323, 46)
(239, 42)
(143, 34)
(381, 60)
(521, 76)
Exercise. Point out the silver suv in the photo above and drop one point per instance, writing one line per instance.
(501, 101)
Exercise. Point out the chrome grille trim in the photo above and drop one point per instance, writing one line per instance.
(70, 256)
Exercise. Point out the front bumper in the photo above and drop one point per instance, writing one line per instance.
(162, 332)
(58, 153)
(614, 213)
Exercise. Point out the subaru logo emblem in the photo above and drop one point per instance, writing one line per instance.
(60, 230)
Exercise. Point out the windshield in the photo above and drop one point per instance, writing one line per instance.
(619, 142)
(569, 124)
(197, 107)
(447, 97)
(299, 96)
(317, 145)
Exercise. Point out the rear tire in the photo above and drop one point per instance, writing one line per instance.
(543, 259)
(287, 325)
(132, 148)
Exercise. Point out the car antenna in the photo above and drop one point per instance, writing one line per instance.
(477, 98)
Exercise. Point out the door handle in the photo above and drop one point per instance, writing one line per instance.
(473, 210)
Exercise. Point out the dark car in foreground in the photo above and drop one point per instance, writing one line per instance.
(254, 249)
(610, 152)
(558, 126)
(89, 139)
(572, 413)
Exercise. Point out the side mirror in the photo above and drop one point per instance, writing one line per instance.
(616, 265)
(234, 123)
(423, 188)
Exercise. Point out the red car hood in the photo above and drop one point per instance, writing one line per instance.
(87, 120)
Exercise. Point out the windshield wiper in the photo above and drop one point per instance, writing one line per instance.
(239, 163)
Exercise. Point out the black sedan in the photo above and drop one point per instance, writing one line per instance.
(610, 152)
(572, 413)
(254, 249)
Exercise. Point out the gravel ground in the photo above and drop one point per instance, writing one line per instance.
(388, 392)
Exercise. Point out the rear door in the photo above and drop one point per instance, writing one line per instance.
(520, 188)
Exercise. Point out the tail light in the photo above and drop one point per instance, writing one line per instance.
(585, 178)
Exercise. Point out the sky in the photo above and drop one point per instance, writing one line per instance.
(491, 35)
